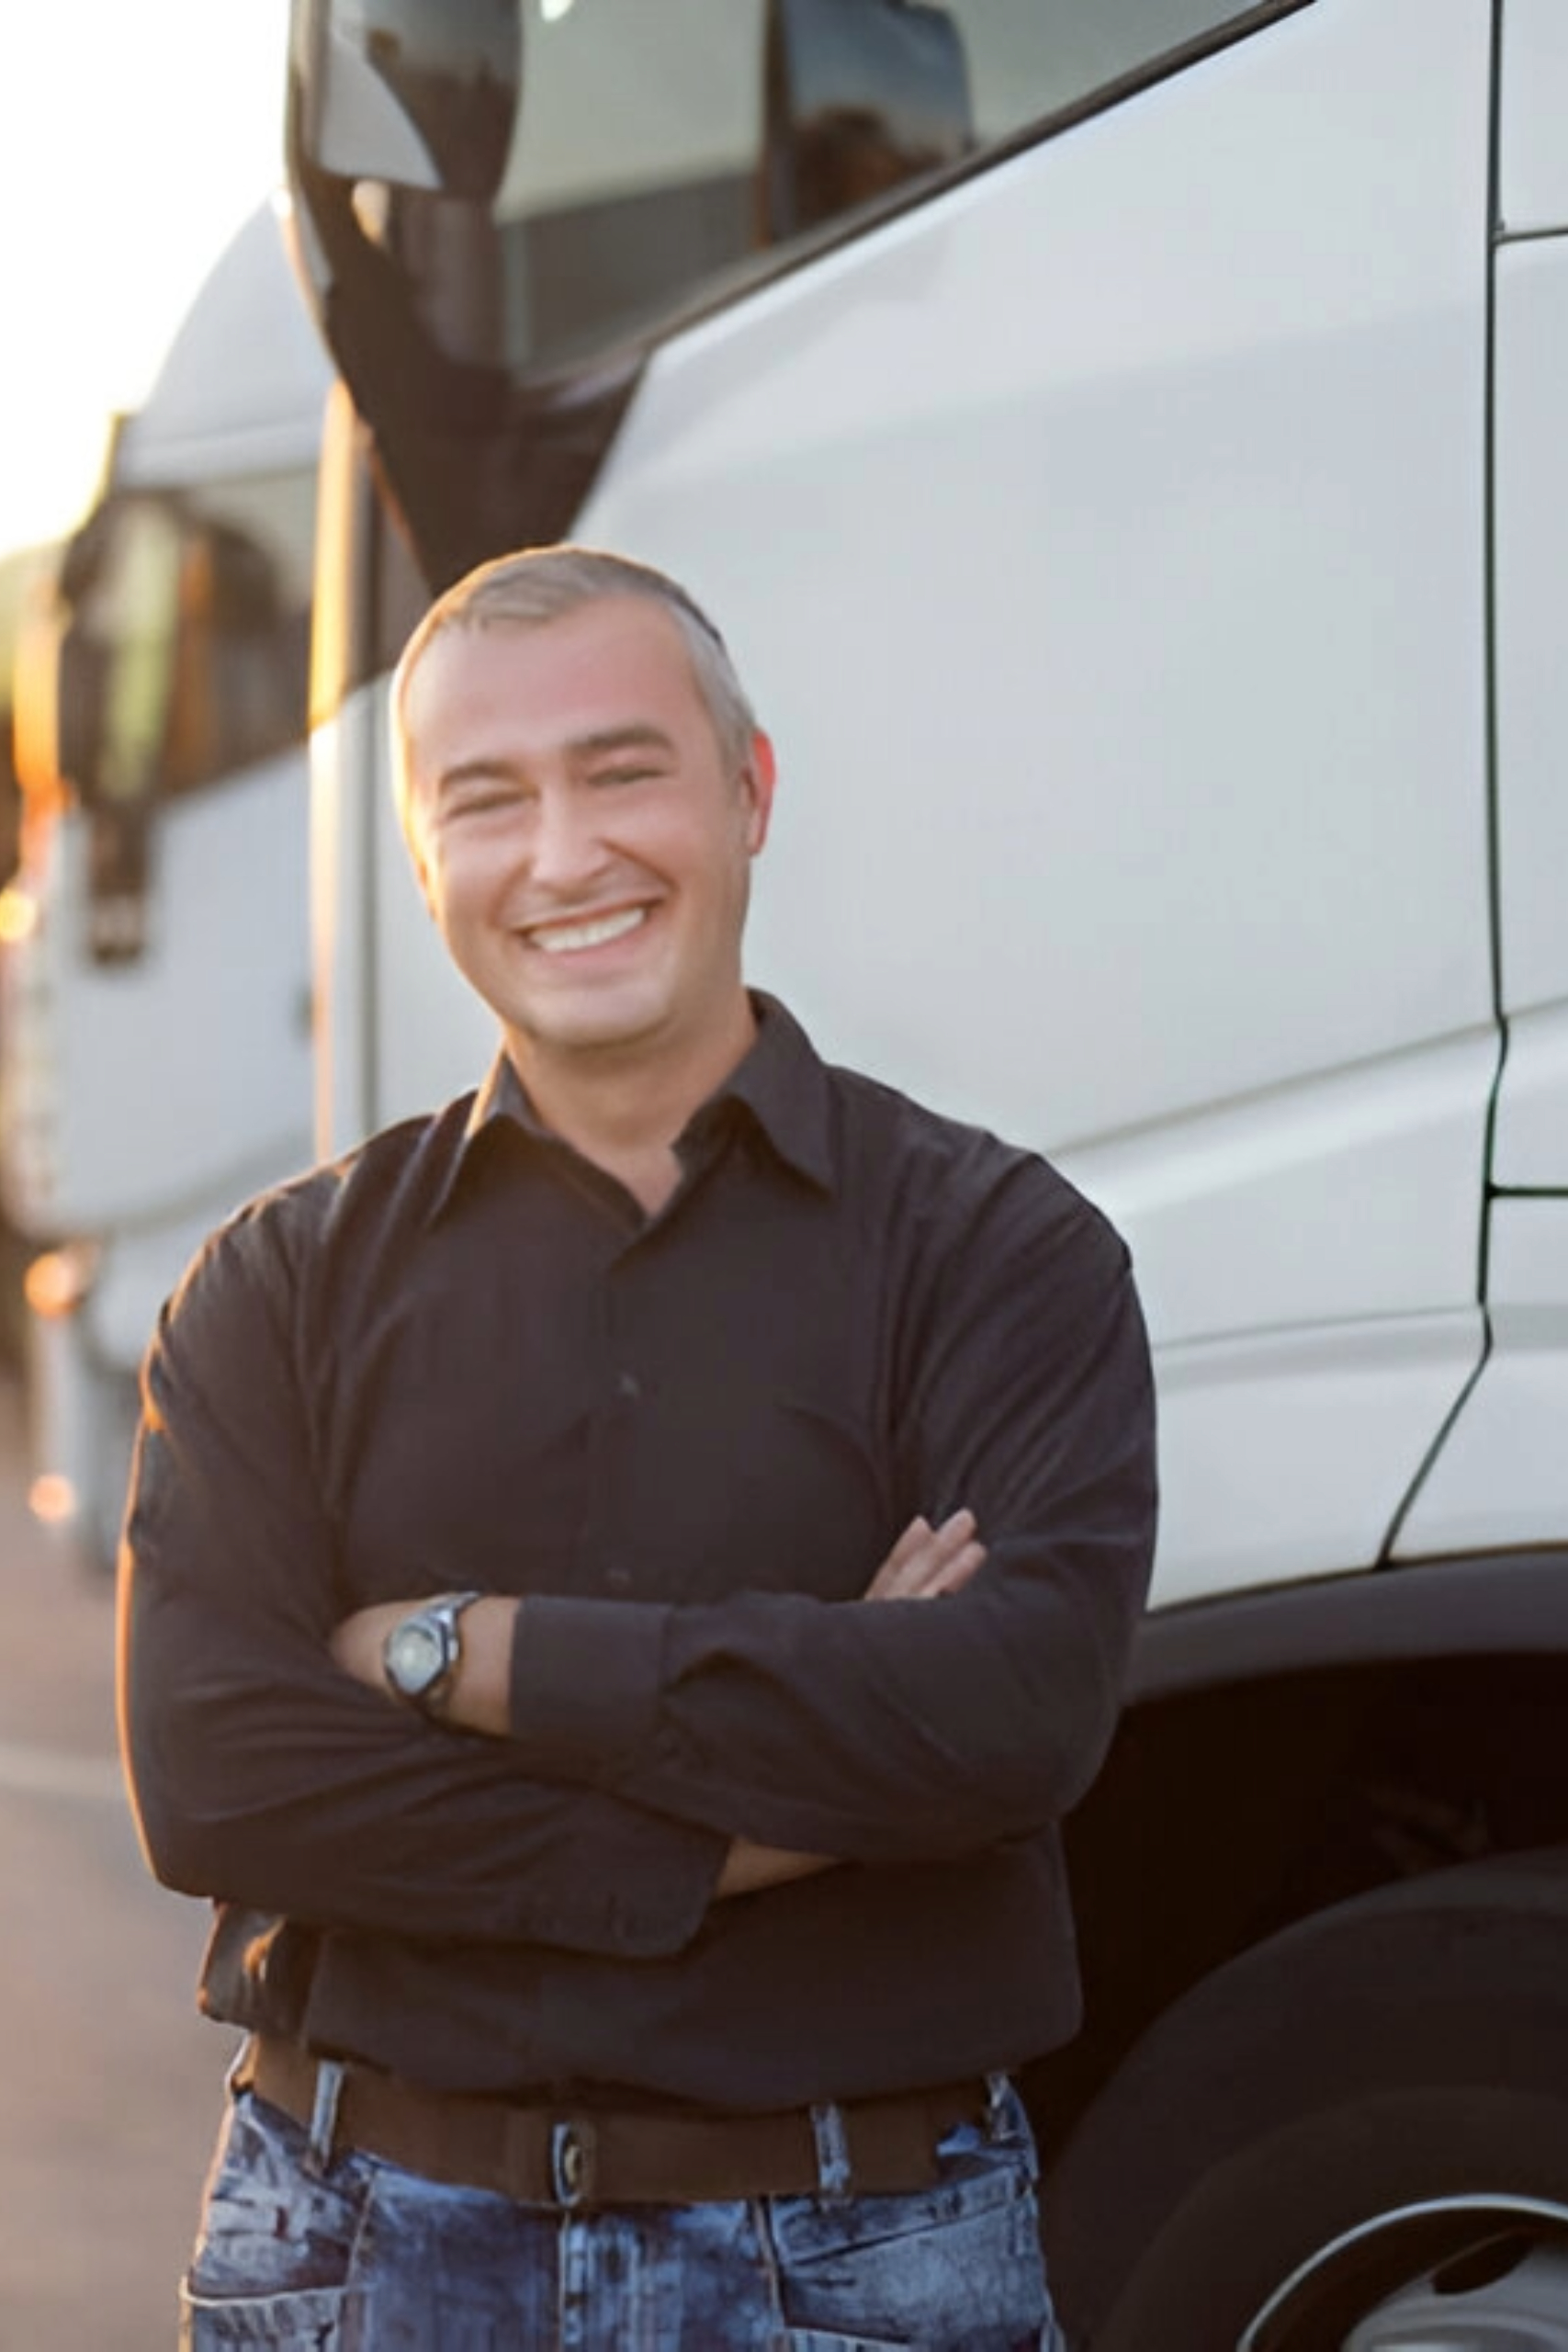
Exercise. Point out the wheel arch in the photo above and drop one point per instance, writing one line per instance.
(1284, 1752)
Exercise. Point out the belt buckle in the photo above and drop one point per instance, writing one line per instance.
(573, 2153)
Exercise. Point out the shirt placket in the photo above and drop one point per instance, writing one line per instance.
(609, 1545)
(612, 1542)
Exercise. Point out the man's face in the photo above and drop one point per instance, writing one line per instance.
(584, 846)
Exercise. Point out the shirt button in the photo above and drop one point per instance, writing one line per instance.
(618, 1579)
(628, 1385)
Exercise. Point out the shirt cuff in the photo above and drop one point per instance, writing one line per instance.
(585, 1684)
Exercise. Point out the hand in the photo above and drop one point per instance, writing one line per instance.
(747, 1868)
(928, 1563)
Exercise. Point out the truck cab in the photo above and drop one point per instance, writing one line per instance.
(1121, 444)
(156, 1039)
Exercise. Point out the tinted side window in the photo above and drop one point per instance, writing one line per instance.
(240, 688)
(1032, 59)
(662, 152)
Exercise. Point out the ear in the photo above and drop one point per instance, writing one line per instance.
(757, 778)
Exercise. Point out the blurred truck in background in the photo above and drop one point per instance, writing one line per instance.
(23, 571)
(154, 956)
(1123, 444)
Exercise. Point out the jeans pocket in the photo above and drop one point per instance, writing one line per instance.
(955, 2268)
(277, 2233)
(314, 2319)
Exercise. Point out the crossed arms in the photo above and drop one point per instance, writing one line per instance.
(644, 1760)
(926, 1564)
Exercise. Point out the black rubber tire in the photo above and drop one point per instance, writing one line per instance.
(1410, 2045)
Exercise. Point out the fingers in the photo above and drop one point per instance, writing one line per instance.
(927, 1563)
(957, 1573)
(916, 1539)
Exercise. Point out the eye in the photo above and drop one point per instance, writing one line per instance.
(482, 800)
(635, 774)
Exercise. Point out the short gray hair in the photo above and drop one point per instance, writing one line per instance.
(540, 584)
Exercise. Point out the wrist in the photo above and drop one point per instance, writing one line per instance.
(481, 1695)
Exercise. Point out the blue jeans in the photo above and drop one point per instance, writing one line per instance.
(364, 2258)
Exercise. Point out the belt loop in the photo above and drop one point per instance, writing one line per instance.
(242, 2067)
(998, 2108)
(834, 2171)
(323, 2115)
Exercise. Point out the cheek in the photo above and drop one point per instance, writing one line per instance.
(467, 876)
(714, 861)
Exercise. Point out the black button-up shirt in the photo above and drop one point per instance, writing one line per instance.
(465, 1357)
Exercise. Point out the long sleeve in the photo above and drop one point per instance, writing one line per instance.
(263, 1775)
(898, 1731)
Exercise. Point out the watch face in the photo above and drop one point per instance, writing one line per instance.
(415, 1654)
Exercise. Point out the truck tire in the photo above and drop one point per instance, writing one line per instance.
(1407, 2049)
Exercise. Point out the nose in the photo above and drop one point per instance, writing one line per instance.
(565, 850)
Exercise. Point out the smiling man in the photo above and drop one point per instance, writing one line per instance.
(634, 1894)
(583, 828)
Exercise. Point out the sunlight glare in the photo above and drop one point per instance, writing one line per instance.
(137, 141)
(19, 915)
(51, 1498)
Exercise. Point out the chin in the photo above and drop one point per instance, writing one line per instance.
(592, 1029)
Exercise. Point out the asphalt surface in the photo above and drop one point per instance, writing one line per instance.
(110, 2085)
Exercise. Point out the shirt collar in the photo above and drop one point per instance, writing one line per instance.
(781, 1083)
(785, 1087)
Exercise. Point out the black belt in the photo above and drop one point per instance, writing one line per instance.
(567, 2157)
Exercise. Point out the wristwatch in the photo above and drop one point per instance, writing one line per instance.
(420, 1656)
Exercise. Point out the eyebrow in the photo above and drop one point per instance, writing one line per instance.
(638, 735)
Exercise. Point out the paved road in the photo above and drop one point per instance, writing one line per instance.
(109, 2083)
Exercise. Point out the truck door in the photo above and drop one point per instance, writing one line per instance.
(1502, 1476)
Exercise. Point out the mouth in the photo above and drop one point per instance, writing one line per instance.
(580, 933)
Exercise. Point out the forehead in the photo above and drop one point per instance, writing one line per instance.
(545, 682)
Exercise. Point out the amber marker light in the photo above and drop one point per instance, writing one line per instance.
(53, 1284)
(53, 1498)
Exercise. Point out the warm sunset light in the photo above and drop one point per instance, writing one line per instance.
(52, 1284)
(52, 1499)
(19, 915)
(136, 139)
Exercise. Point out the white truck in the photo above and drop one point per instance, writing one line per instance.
(1122, 441)
(155, 1061)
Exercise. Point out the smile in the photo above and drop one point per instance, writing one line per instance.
(571, 938)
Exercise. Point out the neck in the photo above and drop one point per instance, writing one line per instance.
(623, 1107)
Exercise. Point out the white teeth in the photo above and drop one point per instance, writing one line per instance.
(560, 939)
